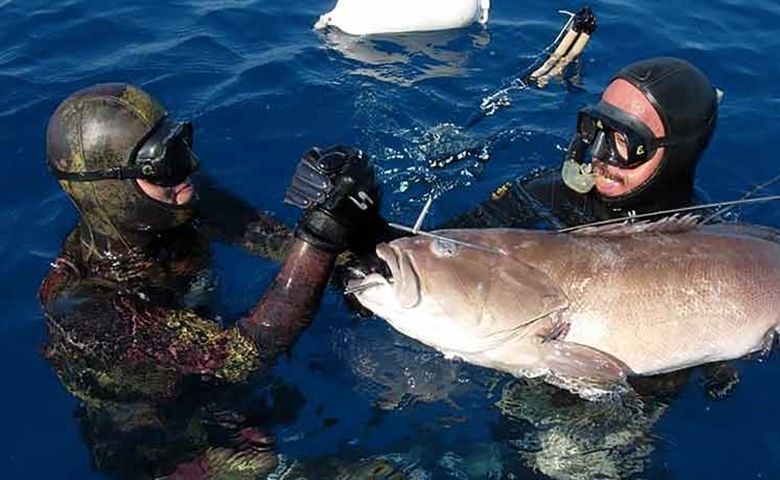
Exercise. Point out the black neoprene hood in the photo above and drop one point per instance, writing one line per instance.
(681, 94)
(687, 103)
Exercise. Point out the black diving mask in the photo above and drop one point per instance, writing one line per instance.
(614, 136)
(164, 157)
(611, 135)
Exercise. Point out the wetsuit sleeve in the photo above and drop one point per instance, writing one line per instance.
(228, 218)
(289, 304)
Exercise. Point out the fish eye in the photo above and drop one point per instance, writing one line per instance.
(444, 248)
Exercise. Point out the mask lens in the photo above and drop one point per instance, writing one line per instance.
(166, 158)
(586, 127)
(616, 137)
(620, 145)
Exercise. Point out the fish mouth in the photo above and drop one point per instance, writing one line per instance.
(362, 273)
(358, 268)
(358, 274)
(390, 266)
(405, 279)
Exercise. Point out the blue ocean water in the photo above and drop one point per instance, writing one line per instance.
(262, 87)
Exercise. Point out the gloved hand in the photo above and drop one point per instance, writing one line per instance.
(338, 192)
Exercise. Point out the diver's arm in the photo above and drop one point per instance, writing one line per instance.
(338, 192)
(229, 218)
(289, 304)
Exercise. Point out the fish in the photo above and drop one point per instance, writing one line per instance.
(584, 309)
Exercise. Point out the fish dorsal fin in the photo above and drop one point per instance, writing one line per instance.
(671, 224)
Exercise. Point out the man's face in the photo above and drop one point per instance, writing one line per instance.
(175, 195)
(612, 181)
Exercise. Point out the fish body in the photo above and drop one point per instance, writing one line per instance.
(588, 308)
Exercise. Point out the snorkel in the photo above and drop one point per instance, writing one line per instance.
(577, 175)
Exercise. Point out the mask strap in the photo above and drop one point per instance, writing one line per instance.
(119, 173)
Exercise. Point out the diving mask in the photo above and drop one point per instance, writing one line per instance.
(616, 137)
(164, 157)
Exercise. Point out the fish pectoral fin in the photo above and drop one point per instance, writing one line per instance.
(584, 371)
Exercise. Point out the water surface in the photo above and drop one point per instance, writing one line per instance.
(262, 87)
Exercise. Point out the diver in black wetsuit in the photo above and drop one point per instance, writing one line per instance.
(644, 139)
(164, 389)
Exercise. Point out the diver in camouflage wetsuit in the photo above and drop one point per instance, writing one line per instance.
(164, 390)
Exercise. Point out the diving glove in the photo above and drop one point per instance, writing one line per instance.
(338, 191)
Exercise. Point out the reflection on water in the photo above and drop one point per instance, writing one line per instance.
(389, 57)
(536, 427)
(392, 370)
(564, 437)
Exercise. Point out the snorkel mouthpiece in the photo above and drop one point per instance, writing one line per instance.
(577, 175)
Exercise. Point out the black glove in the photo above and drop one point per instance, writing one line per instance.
(338, 191)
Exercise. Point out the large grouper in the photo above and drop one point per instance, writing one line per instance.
(588, 308)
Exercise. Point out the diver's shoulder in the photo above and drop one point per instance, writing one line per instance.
(539, 174)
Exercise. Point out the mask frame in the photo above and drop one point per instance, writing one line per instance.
(599, 126)
(163, 157)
